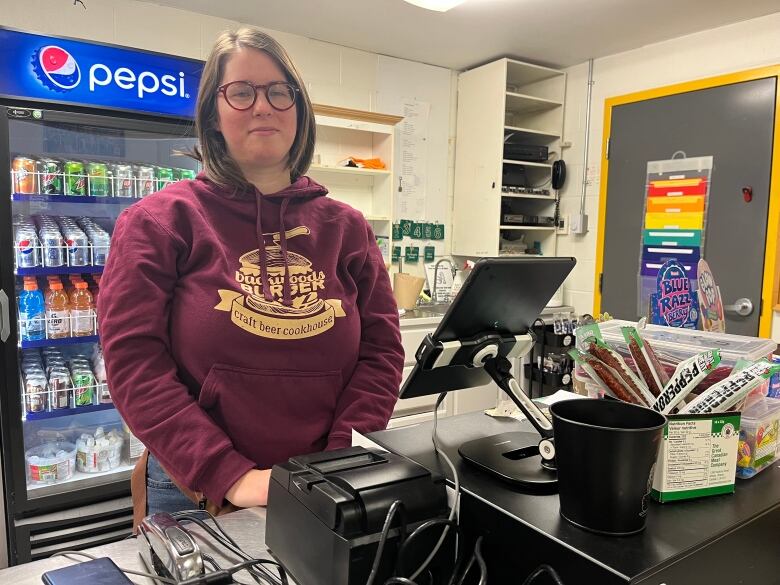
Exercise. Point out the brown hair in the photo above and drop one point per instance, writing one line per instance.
(212, 150)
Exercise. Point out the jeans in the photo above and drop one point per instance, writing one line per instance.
(162, 495)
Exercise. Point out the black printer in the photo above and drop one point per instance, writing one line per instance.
(326, 512)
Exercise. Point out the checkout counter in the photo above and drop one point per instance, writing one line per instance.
(725, 539)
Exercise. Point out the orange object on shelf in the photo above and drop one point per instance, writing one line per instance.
(368, 163)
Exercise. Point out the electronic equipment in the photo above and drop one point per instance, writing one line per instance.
(524, 190)
(525, 152)
(513, 176)
(168, 549)
(487, 324)
(558, 174)
(522, 219)
(326, 512)
(102, 571)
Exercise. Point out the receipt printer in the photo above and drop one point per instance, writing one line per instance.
(326, 512)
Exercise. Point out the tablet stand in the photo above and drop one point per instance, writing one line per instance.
(517, 457)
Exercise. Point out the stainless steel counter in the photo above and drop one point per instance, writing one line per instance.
(247, 527)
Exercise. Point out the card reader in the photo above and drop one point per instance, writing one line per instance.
(326, 512)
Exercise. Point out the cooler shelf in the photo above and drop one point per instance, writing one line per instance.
(59, 341)
(72, 199)
(68, 411)
(40, 271)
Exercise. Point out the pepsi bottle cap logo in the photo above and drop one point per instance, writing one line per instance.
(56, 68)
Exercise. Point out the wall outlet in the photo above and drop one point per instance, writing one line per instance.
(563, 225)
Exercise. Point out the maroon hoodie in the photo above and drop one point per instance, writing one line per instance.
(241, 331)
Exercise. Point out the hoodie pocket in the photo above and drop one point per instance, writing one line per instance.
(272, 415)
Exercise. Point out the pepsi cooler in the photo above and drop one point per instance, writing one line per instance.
(86, 130)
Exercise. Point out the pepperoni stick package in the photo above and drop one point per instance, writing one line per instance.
(605, 376)
(686, 377)
(724, 395)
(645, 360)
(615, 361)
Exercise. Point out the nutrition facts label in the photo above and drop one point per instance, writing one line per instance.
(699, 453)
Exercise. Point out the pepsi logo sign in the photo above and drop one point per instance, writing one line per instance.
(59, 67)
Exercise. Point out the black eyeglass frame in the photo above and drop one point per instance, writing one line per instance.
(266, 88)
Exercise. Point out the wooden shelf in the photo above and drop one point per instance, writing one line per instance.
(537, 228)
(524, 163)
(532, 133)
(376, 218)
(521, 103)
(348, 170)
(350, 114)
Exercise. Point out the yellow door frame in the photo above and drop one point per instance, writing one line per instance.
(771, 280)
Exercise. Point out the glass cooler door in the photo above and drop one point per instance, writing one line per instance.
(71, 175)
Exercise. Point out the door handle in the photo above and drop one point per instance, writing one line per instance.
(5, 319)
(742, 307)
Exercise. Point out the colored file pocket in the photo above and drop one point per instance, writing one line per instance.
(674, 221)
(676, 187)
(683, 204)
(650, 268)
(661, 254)
(685, 238)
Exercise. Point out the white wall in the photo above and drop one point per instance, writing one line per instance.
(335, 75)
(737, 47)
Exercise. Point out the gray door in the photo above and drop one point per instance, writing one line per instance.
(732, 123)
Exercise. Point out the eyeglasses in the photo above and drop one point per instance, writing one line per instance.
(242, 95)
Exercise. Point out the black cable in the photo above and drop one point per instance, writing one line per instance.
(230, 544)
(399, 581)
(394, 507)
(541, 570)
(468, 568)
(211, 561)
(399, 568)
(483, 573)
(224, 575)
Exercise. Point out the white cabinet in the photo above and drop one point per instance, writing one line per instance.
(413, 410)
(343, 133)
(521, 103)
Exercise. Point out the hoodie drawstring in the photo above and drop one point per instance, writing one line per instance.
(287, 294)
(262, 259)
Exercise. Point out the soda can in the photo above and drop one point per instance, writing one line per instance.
(83, 386)
(97, 175)
(164, 176)
(53, 248)
(50, 177)
(36, 397)
(122, 180)
(183, 174)
(145, 182)
(23, 173)
(27, 248)
(60, 388)
(78, 248)
(101, 243)
(75, 179)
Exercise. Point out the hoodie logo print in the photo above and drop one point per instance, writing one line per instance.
(264, 315)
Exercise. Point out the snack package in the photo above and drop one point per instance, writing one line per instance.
(647, 364)
(605, 376)
(686, 377)
(724, 395)
(615, 361)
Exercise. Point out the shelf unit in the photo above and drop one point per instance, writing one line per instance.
(505, 100)
(344, 133)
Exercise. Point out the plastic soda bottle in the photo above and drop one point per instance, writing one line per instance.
(82, 310)
(57, 312)
(32, 324)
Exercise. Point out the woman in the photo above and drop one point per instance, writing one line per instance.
(245, 317)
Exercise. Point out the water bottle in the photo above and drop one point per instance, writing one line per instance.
(32, 313)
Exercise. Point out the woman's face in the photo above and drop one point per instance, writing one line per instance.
(260, 137)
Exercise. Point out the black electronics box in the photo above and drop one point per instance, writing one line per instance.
(513, 176)
(526, 152)
(326, 512)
